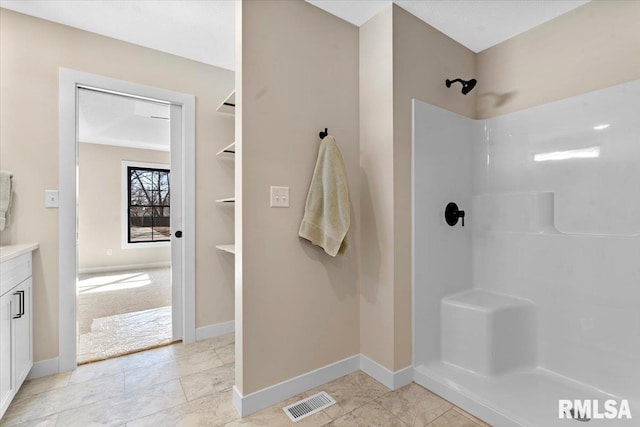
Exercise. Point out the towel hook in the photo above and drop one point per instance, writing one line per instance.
(324, 134)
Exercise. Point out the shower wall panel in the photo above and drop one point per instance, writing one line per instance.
(583, 271)
(442, 254)
(552, 201)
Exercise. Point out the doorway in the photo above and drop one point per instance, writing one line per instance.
(123, 301)
(167, 224)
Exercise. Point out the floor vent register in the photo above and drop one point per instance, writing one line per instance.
(309, 406)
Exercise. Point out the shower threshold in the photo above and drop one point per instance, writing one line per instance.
(525, 398)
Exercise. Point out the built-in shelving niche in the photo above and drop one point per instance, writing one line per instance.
(227, 248)
(226, 202)
(228, 106)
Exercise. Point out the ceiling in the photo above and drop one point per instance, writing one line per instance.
(204, 30)
(476, 24)
(122, 121)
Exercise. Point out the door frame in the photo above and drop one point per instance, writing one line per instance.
(69, 82)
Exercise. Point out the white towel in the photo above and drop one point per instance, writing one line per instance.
(5, 196)
(327, 213)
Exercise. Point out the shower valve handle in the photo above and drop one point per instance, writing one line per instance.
(452, 214)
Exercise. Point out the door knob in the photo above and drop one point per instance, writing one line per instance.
(178, 234)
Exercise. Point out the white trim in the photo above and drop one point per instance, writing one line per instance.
(266, 397)
(413, 232)
(392, 380)
(176, 222)
(67, 216)
(127, 267)
(402, 377)
(246, 405)
(44, 368)
(215, 330)
(124, 205)
(236, 399)
(189, 220)
(69, 81)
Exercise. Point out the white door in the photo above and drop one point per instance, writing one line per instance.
(182, 193)
(176, 220)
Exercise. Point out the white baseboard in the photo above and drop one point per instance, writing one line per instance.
(112, 268)
(44, 368)
(212, 331)
(246, 405)
(237, 400)
(392, 380)
(402, 377)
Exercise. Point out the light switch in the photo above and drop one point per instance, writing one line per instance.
(279, 197)
(51, 199)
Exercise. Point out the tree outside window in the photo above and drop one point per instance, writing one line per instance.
(149, 207)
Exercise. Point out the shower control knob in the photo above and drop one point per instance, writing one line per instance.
(452, 214)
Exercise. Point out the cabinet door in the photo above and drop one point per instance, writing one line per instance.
(7, 383)
(22, 331)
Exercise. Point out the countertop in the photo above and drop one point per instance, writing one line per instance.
(11, 251)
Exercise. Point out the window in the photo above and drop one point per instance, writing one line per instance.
(148, 207)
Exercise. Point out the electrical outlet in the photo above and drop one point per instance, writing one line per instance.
(279, 197)
(51, 199)
(109, 251)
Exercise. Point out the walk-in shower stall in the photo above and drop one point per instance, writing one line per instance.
(536, 299)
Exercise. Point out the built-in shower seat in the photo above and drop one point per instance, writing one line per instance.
(488, 333)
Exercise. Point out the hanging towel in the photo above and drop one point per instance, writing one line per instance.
(5, 196)
(327, 214)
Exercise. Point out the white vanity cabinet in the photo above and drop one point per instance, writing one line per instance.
(16, 319)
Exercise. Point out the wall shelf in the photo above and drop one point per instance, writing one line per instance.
(227, 201)
(228, 152)
(227, 248)
(228, 106)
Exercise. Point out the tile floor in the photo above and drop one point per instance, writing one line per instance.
(190, 385)
(121, 312)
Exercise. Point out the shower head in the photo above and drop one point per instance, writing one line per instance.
(467, 85)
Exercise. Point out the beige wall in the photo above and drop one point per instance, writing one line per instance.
(401, 58)
(239, 206)
(376, 185)
(100, 208)
(592, 47)
(423, 58)
(298, 74)
(31, 51)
